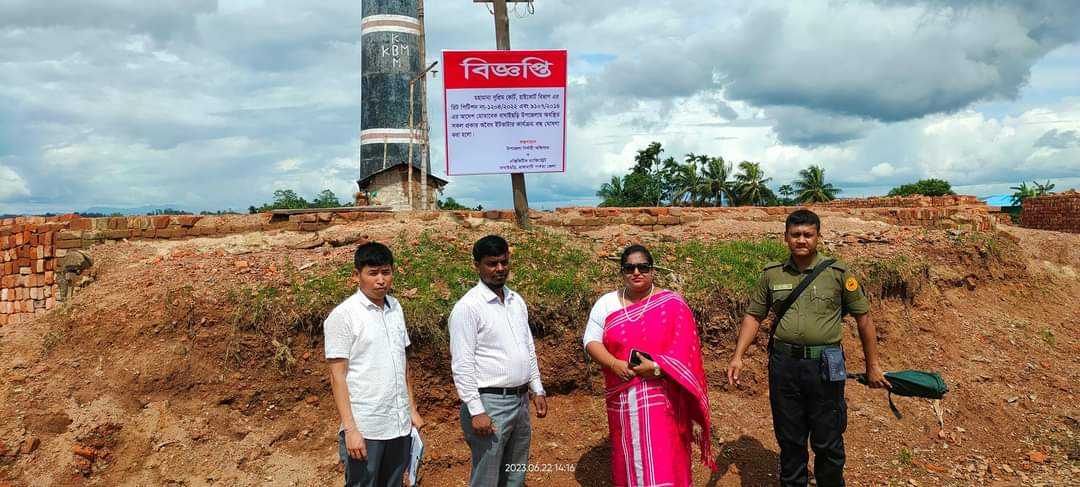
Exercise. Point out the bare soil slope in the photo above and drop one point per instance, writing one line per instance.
(142, 379)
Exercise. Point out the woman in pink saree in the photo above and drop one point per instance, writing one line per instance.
(652, 406)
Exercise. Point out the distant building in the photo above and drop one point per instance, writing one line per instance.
(1000, 200)
(1003, 207)
(389, 187)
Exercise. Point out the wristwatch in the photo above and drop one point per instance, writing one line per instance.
(656, 370)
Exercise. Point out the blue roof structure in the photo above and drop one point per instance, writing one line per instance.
(999, 200)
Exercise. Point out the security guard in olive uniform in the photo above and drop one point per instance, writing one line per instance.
(807, 401)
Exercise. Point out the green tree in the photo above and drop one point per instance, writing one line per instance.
(649, 188)
(686, 185)
(654, 180)
(648, 159)
(1043, 188)
(716, 175)
(168, 211)
(451, 204)
(752, 185)
(326, 199)
(645, 185)
(812, 188)
(787, 193)
(643, 189)
(1024, 191)
(613, 193)
(284, 199)
(287, 199)
(924, 187)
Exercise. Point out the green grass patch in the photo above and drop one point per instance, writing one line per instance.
(1047, 336)
(899, 277)
(51, 339)
(906, 456)
(704, 268)
(556, 276)
(987, 244)
(560, 277)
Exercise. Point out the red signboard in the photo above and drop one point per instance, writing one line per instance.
(505, 111)
(504, 69)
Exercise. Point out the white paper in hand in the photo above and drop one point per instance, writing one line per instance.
(414, 458)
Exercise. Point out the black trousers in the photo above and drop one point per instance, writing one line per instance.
(804, 406)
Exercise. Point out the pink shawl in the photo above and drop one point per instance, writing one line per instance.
(664, 327)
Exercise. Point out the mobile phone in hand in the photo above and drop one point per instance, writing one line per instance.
(635, 357)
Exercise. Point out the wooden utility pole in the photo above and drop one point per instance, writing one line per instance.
(412, 127)
(517, 179)
(423, 115)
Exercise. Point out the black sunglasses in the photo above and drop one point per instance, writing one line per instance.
(642, 268)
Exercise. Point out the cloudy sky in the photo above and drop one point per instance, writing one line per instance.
(210, 105)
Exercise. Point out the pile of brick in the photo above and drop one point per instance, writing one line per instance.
(31, 246)
(28, 266)
(1060, 211)
(904, 202)
(915, 211)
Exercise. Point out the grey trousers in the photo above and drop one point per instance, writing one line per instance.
(502, 458)
(385, 464)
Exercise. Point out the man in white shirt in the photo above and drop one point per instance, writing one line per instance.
(495, 370)
(365, 347)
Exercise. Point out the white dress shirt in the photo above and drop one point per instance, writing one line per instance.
(491, 345)
(594, 329)
(374, 341)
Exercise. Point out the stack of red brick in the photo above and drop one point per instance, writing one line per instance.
(904, 202)
(28, 266)
(30, 246)
(921, 212)
(1060, 211)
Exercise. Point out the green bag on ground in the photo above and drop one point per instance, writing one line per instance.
(910, 383)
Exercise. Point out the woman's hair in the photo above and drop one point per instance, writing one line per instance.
(633, 249)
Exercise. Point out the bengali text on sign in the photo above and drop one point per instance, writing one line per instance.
(505, 111)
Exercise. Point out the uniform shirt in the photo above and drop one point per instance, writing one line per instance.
(374, 341)
(491, 345)
(815, 317)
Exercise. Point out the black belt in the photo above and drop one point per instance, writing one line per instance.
(505, 391)
(801, 351)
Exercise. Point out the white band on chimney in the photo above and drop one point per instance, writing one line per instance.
(390, 23)
(389, 136)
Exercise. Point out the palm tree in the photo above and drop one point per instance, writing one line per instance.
(752, 184)
(812, 188)
(613, 193)
(1042, 188)
(715, 174)
(685, 180)
(786, 191)
(1022, 193)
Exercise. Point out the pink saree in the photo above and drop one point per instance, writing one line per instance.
(651, 421)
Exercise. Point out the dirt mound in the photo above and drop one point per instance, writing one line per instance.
(178, 365)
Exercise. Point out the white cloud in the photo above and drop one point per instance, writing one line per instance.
(216, 104)
(883, 170)
(12, 185)
(287, 165)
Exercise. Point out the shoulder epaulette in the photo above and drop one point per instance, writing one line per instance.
(838, 265)
(771, 265)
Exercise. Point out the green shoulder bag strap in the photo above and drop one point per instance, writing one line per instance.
(790, 300)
